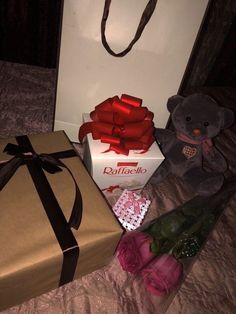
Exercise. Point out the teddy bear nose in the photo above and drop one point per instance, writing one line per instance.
(196, 132)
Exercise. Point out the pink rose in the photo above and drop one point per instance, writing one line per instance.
(134, 251)
(162, 275)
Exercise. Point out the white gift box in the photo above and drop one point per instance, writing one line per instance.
(111, 170)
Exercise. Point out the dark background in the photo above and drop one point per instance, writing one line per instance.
(30, 34)
(30, 31)
(212, 61)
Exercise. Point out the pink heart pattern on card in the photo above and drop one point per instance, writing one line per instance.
(130, 209)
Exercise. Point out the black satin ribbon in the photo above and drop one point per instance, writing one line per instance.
(24, 154)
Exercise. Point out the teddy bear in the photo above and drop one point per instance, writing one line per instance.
(196, 120)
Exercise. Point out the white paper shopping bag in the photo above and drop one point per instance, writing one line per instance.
(159, 36)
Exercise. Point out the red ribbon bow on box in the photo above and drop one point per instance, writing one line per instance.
(122, 123)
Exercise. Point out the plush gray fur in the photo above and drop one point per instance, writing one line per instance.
(198, 117)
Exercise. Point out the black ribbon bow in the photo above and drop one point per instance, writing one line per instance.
(49, 162)
(24, 154)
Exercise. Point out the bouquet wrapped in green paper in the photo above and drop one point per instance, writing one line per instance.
(159, 250)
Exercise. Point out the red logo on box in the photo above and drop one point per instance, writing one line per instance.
(127, 164)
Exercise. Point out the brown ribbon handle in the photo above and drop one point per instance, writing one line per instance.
(147, 13)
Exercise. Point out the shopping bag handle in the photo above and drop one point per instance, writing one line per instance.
(147, 13)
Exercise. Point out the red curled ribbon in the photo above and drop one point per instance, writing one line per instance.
(122, 123)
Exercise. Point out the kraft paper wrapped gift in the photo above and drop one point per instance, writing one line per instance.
(39, 250)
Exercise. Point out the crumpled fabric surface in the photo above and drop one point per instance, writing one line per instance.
(27, 95)
(210, 285)
(208, 288)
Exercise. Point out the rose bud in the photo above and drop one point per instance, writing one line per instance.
(162, 275)
(134, 251)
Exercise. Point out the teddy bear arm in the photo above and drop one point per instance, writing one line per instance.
(216, 160)
(163, 136)
(161, 173)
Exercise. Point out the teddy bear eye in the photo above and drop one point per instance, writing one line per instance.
(188, 118)
(206, 123)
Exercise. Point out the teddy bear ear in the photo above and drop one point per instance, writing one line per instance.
(173, 101)
(227, 118)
